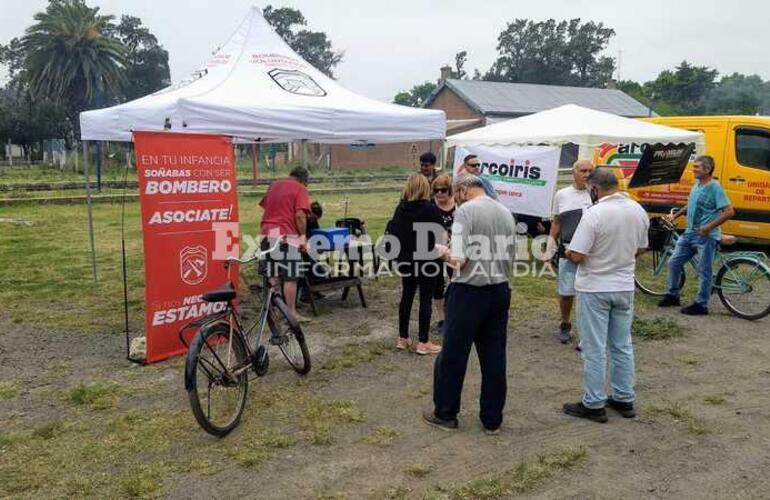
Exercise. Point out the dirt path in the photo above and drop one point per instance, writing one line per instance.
(352, 429)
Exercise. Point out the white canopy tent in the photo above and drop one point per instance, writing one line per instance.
(570, 123)
(256, 88)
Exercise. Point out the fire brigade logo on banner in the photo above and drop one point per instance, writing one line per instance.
(296, 82)
(193, 264)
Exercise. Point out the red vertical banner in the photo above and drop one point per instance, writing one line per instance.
(188, 188)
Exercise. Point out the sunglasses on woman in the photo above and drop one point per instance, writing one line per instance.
(440, 190)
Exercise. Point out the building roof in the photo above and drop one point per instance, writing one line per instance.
(513, 99)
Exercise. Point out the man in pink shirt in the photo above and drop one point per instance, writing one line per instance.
(286, 205)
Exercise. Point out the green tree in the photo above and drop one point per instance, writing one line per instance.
(683, 91)
(585, 42)
(12, 57)
(70, 55)
(417, 96)
(635, 90)
(147, 67)
(739, 94)
(460, 59)
(559, 53)
(70, 60)
(312, 46)
(25, 120)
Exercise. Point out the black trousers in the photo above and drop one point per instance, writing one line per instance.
(440, 291)
(409, 287)
(474, 315)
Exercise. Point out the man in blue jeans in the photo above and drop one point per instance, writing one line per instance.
(606, 242)
(706, 209)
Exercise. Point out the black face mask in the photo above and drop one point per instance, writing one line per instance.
(594, 193)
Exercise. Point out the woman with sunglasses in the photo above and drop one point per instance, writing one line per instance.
(444, 200)
(418, 272)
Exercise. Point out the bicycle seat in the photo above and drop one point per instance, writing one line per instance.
(225, 293)
(727, 240)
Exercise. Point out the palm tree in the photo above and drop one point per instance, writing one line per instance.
(72, 55)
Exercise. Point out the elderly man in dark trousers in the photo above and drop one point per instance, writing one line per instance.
(610, 235)
(482, 251)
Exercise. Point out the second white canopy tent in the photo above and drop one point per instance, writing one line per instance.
(574, 124)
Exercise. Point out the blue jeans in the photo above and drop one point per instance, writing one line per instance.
(605, 318)
(688, 245)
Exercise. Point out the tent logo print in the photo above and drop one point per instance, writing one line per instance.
(296, 82)
(193, 264)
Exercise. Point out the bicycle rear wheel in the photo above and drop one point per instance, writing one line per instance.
(651, 273)
(743, 285)
(288, 334)
(216, 379)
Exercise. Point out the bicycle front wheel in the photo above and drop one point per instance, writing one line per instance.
(288, 335)
(651, 273)
(216, 378)
(743, 285)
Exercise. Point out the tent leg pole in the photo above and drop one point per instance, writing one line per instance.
(98, 159)
(442, 161)
(90, 211)
(254, 159)
(304, 152)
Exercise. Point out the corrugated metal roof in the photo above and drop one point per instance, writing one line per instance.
(524, 98)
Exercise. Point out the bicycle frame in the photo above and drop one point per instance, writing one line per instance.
(261, 320)
(231, 317)
(721, 258)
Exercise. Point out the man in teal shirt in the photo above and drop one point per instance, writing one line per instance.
(707, 208)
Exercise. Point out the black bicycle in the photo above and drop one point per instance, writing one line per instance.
(222, 352)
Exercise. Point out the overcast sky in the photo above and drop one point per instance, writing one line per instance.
(391, 45)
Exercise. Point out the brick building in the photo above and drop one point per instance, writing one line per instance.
(470, 104)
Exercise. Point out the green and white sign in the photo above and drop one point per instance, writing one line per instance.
(524, 178)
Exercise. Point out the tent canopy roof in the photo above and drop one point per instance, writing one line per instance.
(255, 87)
(573, 124)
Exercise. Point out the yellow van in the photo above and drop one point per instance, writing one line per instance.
(740, 146)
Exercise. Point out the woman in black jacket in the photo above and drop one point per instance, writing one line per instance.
(416, 271)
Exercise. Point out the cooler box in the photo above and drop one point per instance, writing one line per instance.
(336, 237)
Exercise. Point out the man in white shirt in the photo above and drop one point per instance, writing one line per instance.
(568, 207)
(605, 245)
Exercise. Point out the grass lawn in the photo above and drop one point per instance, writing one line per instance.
(48, 254)
(48, 281)
(22, 174)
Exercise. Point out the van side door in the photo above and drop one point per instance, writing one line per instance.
(746, 178)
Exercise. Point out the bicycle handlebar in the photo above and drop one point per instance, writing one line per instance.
(256, 256)
(669, 225)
